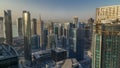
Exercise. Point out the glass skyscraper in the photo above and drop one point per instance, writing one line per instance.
(27, 35)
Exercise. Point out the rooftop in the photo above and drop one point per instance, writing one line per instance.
(7, 51)
(59, 50)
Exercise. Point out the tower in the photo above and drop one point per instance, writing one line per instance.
(20, 23)
(27, 35)
(1, 26)
(7, 27)
(40, 32)
(34, 26)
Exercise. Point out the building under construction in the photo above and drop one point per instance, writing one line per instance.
(106, 46)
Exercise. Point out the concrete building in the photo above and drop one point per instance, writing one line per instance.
(27, 35)
(35, 42)
(108, 13)
(19, 24)
(7, 27)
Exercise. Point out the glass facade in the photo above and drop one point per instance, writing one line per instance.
(106, 47)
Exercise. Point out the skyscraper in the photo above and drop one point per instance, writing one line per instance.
(20, 23)
(106, 46)
(45, 37)
(107, 13)
(27, 35)
(90, 23)
(76, 42)
(35, 42)
(52, 41)
(34, 26)
(7, 27)
(1, 26)
(40, 26)
(75, 21)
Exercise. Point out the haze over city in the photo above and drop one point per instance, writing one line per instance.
(59, 34)
(55, 9)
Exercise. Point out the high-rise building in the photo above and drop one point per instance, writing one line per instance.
(34, 26)
(60, 29)
(20, 23)
(7, 27)
(40, 28)
(107, 13)
(75, 20)
(1, 26)
(76, 42)
(51, 28)
(106, 49)
(90, 23)
(35, 41)
(52, 41)
(27, 35)
(45, 38)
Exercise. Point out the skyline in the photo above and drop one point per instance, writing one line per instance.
(55, 9)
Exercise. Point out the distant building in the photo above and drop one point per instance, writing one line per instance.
(34, 26)
(58, 54)
(106, 46)
(45, 38)
(8, 57)
(52, 41)
(63, 42)
(42, 55)
(35, 41)
(7, 27)
(90, 23)
(40, 31)
(75, 20)
(80, 44)
(20, 23)
(27, 35)
(1, 26)
(55, 58)
(56, 31)
(76, 42)
(108, 13)
(60, 30)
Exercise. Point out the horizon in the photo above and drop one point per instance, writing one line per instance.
(54, 9)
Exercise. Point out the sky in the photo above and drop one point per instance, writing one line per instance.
(55, 9)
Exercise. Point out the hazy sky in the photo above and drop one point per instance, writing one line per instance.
(55, 9)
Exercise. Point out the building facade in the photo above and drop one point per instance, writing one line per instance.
(1, 26)
(34, 26)
(20, 22)
(27, 35)
(106, 46)
(7, 27)
(107, 13)
(35, 41)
